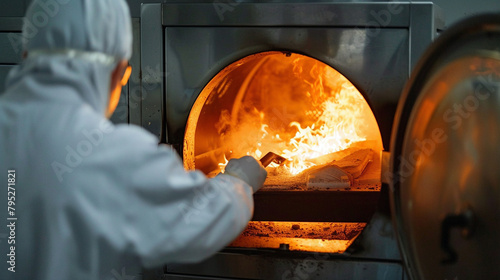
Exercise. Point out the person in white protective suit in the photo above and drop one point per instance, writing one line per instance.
(93, 199)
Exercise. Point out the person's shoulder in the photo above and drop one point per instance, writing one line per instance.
(132, 139)
(105, 136)
(133, 133)
(87, 121)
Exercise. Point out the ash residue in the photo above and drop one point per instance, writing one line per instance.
(329, 231)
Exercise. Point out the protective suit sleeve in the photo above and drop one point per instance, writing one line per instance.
(181, 216)
(249, 170)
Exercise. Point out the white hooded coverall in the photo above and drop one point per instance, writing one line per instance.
(92, 197)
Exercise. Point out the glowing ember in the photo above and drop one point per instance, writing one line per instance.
(332, 121)
(313, 237)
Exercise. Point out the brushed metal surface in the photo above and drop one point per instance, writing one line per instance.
(152, 69)
(377, 66)
(375, 55)
(135, 88)
(287, 14)
(456, 151)
(258, 264)
(445, 154)
(10, 48)
(11, 23)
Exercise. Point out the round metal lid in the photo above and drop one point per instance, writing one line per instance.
(445, 157)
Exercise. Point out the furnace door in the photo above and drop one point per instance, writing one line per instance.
(445, 156)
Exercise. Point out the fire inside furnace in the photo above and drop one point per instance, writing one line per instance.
(297, 107)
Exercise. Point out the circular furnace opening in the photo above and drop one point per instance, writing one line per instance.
(309, 113)
(290, 104)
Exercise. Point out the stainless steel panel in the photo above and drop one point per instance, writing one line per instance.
(276, 265)
(152, 69)
(11, 24)
(425, 21)
(457, 10)
(287, 14)
(455, 174)
(377, 65)
(135, 88)
(444, 154)
(15, 8)
(10, 48)
(121, 113)
(184, 277)
(4, 70)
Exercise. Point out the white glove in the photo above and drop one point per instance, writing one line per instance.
(247, 169)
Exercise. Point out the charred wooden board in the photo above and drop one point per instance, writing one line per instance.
(315, 206)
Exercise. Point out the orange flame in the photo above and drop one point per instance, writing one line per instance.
(334, 121)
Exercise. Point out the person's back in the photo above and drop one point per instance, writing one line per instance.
(90, 198)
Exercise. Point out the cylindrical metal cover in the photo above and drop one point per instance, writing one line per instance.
(446, 155)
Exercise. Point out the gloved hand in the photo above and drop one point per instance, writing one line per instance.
(247, 169)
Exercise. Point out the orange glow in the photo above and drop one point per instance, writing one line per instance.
(295, 106)
(316, 237)
(126, 75)
(332, 122)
